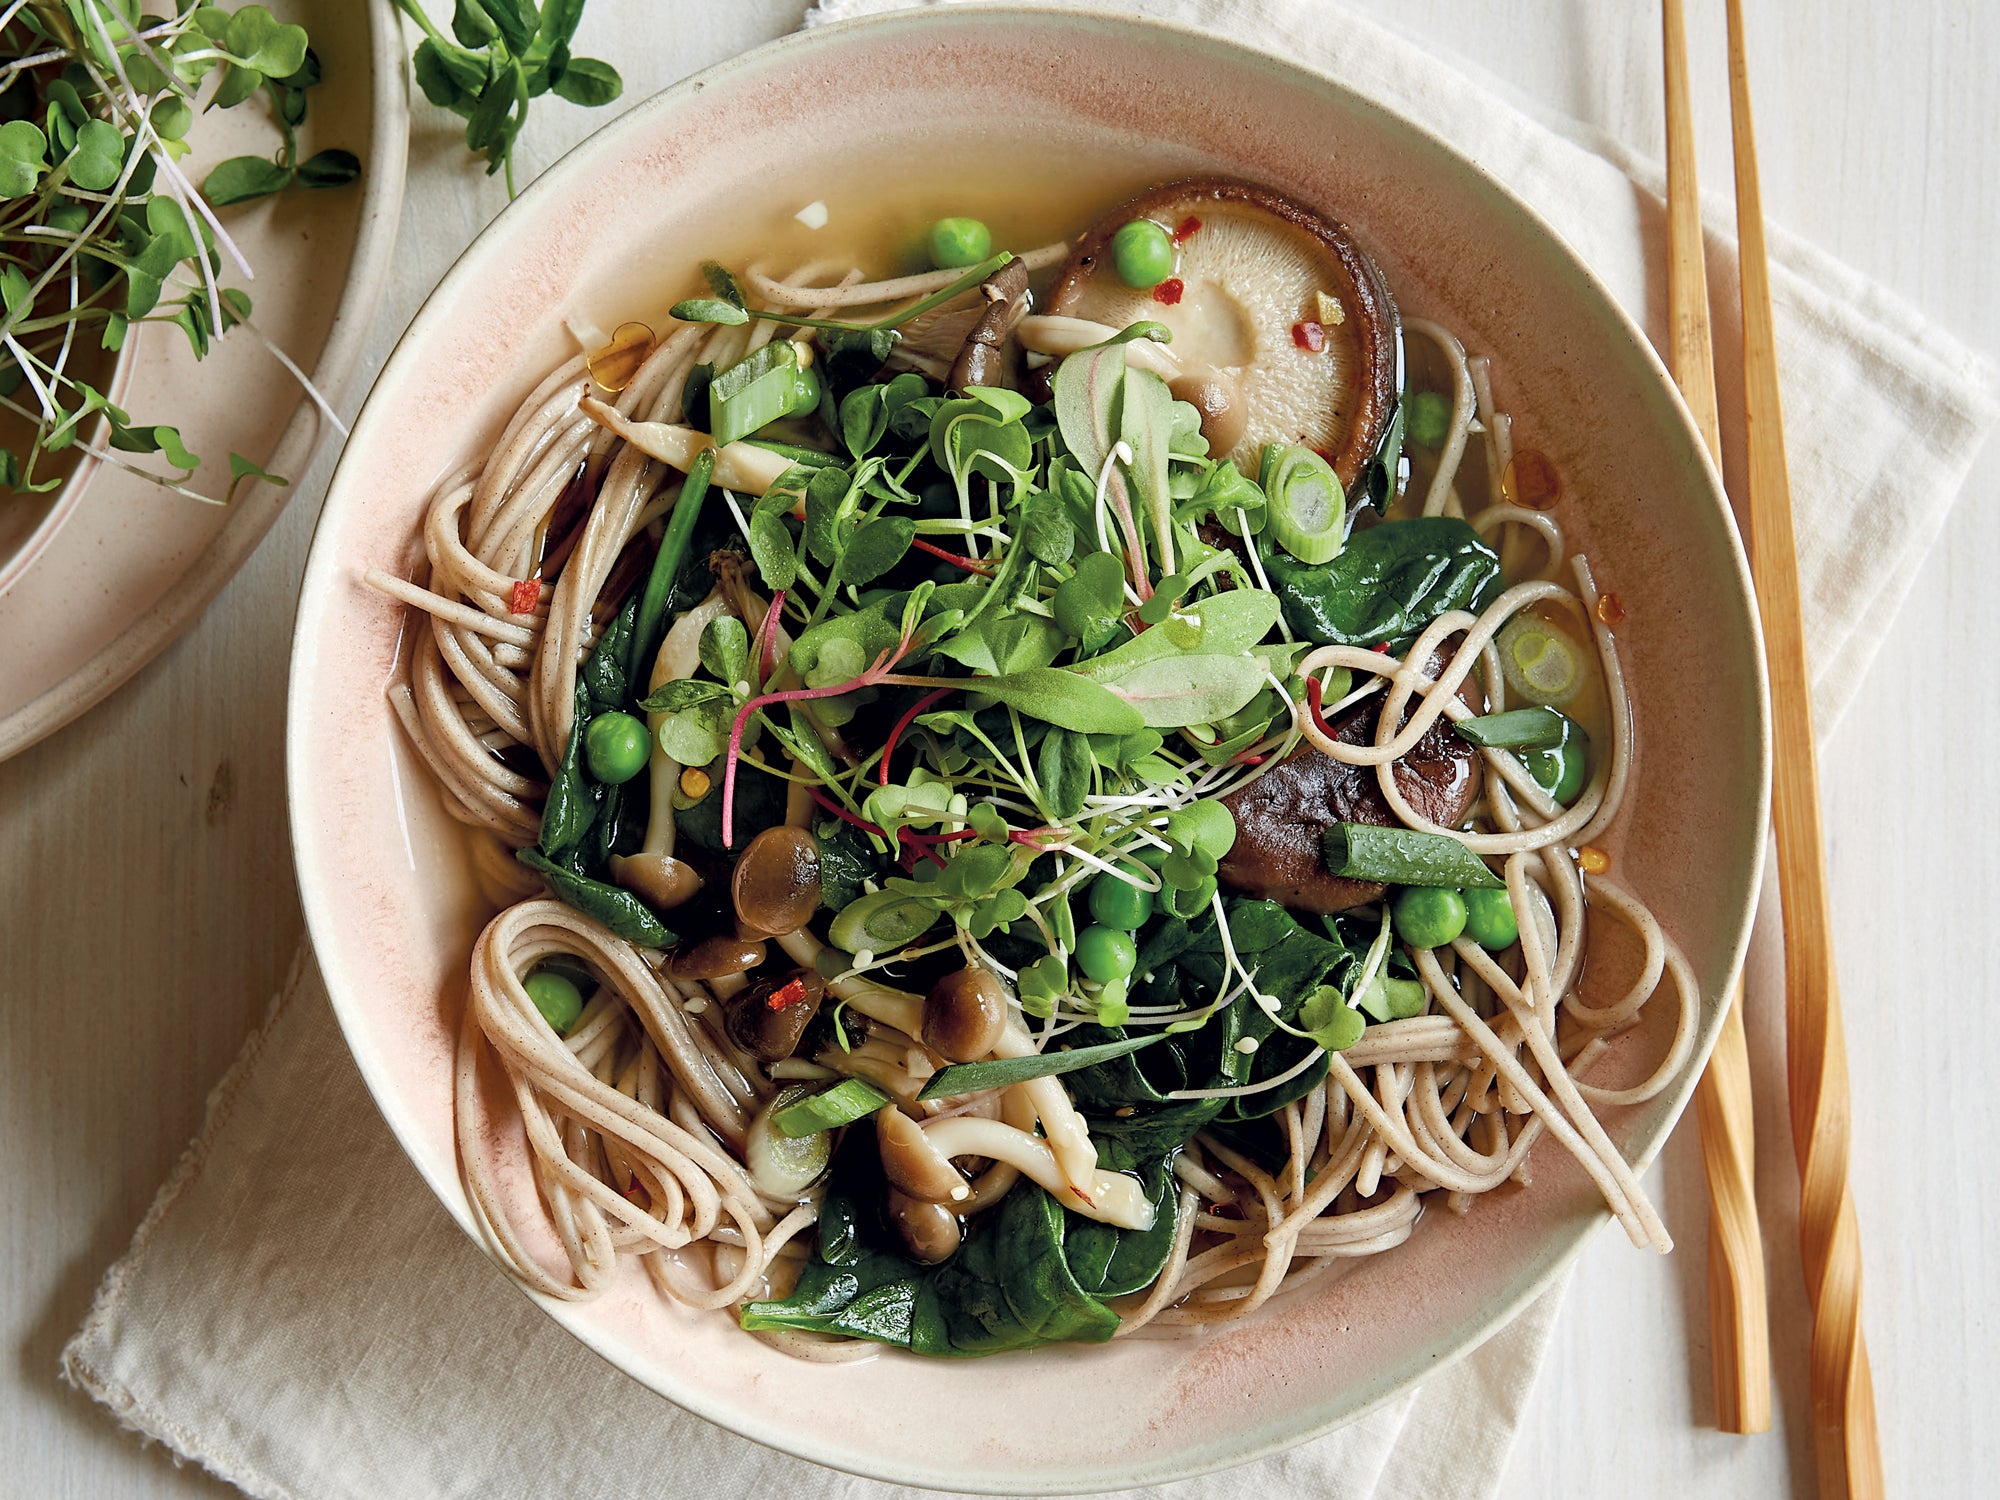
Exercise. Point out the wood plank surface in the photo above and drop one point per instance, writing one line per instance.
(147, 905)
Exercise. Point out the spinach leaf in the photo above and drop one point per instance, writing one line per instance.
(603, 672)
(619, 910)
(574, 796)
(1387, 584)
(1109, 1262)
(846, 861)
(760, 804)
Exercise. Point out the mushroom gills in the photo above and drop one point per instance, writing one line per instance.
(1269, 300)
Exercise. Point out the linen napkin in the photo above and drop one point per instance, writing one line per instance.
(298, 1314)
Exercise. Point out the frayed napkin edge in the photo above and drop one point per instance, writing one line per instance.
(77, 1365)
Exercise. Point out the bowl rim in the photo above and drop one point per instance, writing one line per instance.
(1561, 1247)
(299, 442)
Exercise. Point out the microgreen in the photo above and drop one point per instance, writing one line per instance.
(500, 55)
(100, 228)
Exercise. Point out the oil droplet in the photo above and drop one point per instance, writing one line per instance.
(694, 783)
(1530, 479)
(613, 366)
(1611, 609)
(1593, 859)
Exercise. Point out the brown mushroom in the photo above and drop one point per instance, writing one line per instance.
(1271, 295)
(964, 1014)
(776, 884)
(1280, 816)
(983, 360)
(930, 1231)
(767, 1019)
(660, 880)
(715, 957)
(912, 1164)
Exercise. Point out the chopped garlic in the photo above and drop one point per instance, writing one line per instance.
(813, 215)
(1331, 312)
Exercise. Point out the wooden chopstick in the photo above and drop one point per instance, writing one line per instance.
(1843, 1392)
(1738, 1319)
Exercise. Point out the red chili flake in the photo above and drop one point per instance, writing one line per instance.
(1310, 337)
(1168, 292)
(1381, 646)
(1185, 228)
(791, 992)
(526, 593)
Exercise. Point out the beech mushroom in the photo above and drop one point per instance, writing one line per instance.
(964, 1014)
(930, 1231)
(1276, 315)
(1280, 816)
(768, 1018)
(983, 360)
(776, 883)
(652, 872)
(716, 958)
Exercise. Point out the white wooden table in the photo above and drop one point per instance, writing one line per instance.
(147, 905)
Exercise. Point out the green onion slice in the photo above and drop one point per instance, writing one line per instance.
(754, 392)
(1517, 729)
(998, 1072)
(1304, 503)
(847, 1101)
(1402, 856)
(1540, 662)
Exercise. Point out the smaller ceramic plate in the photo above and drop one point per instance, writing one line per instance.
(133, 565)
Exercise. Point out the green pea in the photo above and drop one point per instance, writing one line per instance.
(1489, 917)
(1143, 252)
(959, 242)
(1428, 916)
(1119, 903)
(1427, 419)
(556, 997)
(1105, 953)
(1560, 769)
(615, 747)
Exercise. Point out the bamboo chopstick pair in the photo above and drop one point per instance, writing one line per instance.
(1843, 1397)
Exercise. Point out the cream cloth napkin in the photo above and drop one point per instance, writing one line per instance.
(297, 1313)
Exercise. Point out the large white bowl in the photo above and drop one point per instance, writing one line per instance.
(390, 903)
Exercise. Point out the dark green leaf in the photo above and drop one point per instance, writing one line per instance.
(589, 81)
(1388, 583)
(612, 907)
(1402, 856)
(876, 548)
(241, 179)
(330, 168)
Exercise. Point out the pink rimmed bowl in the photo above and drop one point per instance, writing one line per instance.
(718, 161)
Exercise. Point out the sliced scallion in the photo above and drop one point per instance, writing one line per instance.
(847, 1101)
(1306, 509)
(1517, 729)
(999, 1072)
(764, 385)
(1402, 856)
(1539, 661)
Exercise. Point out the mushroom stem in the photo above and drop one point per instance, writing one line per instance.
(743, 467)
(1068, 1135)
(1109, 1197)
(652, 871)
(1056, 335)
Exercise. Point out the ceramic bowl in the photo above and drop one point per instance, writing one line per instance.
(392, 907)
